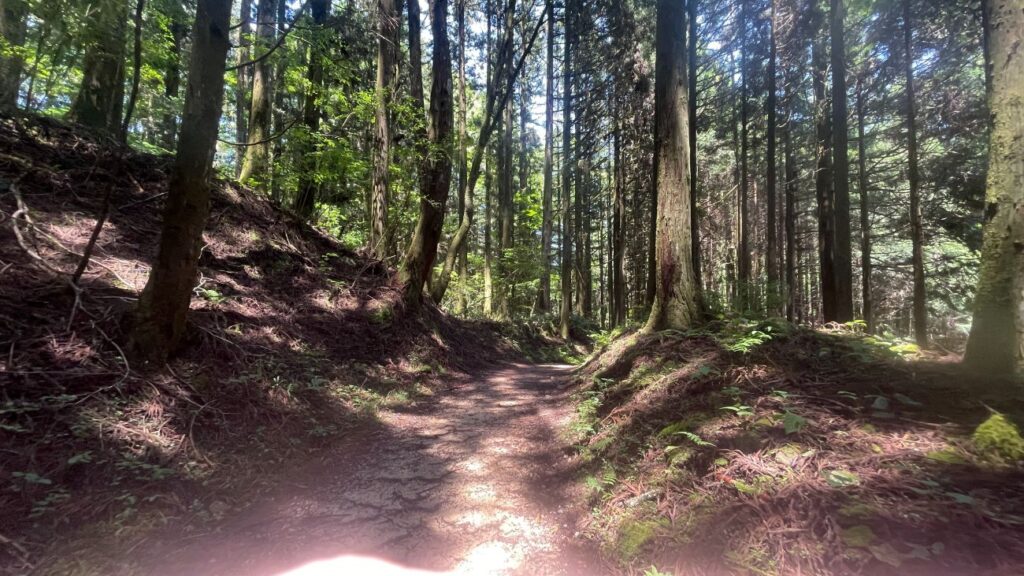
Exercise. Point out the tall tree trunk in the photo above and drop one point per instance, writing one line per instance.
(387, 60)
(996, 343)
(256, 155)
(841, 168)
(916, 227)
(244, 76)
(823, 181)
(691, 55)
(100, 100)
(792, 255)
(133, 95)
(618, 316)
(465, 196)
(549, 142)
(506, 213)
(277, 110)
(565, 314)
(13, 22)
(865, 214)
(771, 252)
(419, 259)
(163, 307)
(309, 186)
(676, 299)
(743, 256)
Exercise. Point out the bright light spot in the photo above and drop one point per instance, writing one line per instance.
(489, 558)
(481, 492)
(361, 565)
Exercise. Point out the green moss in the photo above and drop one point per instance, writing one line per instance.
(998, 438)
(859, 536)
(946, 456)
(633, 534)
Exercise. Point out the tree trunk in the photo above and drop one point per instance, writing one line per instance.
(841, 169)
(565, 313)
(309, 187)
(771, 253)
(12, 28)
(996, 343)
(419, 259)
(865, 215)
(465, 196)
(916, 228)
(823, 180)
(676, 299)
(244, 75)
(100, 100)
(163, 307)
(387, 60)
(691, 54)
(256, 154)
(743, 257)
(544, 302)
(133, 96)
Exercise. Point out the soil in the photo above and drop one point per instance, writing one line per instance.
(474, 482)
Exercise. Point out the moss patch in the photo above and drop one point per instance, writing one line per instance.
(999, 438)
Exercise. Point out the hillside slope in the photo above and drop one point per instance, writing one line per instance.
(294, 342)
(763, 449)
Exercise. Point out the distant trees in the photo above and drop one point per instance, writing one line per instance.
(100, 100)
(13, 21)
(163, 306)
(996, 343)
(256, 153)
(388, 14)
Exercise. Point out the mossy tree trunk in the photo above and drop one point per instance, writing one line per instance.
(256, 154)
(996, 343)
(12, 28)
(163, 307)
(387, 62)
(676, 296)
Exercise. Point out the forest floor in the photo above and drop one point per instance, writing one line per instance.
(755, 447)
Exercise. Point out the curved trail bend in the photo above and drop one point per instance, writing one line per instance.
(475, 481)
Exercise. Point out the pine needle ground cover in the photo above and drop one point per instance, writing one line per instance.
(758, 448)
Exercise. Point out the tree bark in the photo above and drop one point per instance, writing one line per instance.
(465, 195)
(419, 258)
(916, 227)
(256, 155)
(133, 96)
(691, 54)
(100, 101)
(771, 252)
(865, 215)
(244, 75)
(172, 80)
(160, 318)
(841, 168)
(565, 312)
(544, 302)
(676, 299)
(996, 343)
(743, 257)
(824, 186)
(387, 60)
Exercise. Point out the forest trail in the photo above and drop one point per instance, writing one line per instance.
(474, 481)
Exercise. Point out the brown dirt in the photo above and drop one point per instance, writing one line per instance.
(476, 482)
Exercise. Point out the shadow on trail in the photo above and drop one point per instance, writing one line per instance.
(468, 483)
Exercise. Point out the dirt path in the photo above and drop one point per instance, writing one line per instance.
(475, 482)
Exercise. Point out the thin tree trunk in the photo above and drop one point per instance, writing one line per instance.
(549, 120)
(565, 314)
(172, 81)
(387, 60)
(865, 214)
(771, 253)
(133, 96)
(244, 76)
(691, 54)
(676, 299)
(916, 228)
(162, 311)
(465, 196)
(256, 155)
